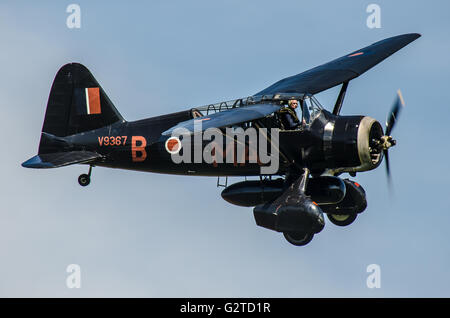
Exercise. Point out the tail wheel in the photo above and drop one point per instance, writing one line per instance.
(84, 180)
(298, 238)
(342, 220)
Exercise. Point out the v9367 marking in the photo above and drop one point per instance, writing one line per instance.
(112, 140)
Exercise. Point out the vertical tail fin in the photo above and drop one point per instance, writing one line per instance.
(77, 103)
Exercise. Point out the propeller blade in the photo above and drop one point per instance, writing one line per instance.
(394, 113)
(388, 169)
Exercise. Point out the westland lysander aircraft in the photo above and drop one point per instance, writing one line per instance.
(82, 126)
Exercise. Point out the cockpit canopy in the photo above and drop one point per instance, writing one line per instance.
(311, 109)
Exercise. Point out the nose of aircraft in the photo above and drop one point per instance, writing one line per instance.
(370, 134)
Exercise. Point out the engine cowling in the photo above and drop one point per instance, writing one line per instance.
(349, 143)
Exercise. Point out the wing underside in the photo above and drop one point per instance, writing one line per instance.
(226, 118)
(340, 70)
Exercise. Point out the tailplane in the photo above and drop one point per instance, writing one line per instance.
(60, 159)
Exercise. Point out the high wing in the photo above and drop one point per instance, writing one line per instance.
(312, 81)
(342, 69)
(227, 118)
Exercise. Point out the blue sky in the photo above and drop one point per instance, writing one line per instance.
(151, 235)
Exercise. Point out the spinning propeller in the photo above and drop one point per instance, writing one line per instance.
(386, 141)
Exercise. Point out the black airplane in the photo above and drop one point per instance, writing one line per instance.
(294, 190)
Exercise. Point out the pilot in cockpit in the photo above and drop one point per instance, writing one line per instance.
(288, 116)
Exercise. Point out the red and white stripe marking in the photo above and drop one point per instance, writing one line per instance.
(93, 100)
(356, 54)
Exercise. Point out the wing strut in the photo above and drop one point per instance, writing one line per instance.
(340, 99)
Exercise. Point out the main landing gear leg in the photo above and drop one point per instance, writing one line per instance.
(85, 179)
(300, 238)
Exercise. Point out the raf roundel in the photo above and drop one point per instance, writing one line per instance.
(173, 145)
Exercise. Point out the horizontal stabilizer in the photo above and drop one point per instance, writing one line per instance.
(60, 159)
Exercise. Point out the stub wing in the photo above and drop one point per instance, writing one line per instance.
(340, 70)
